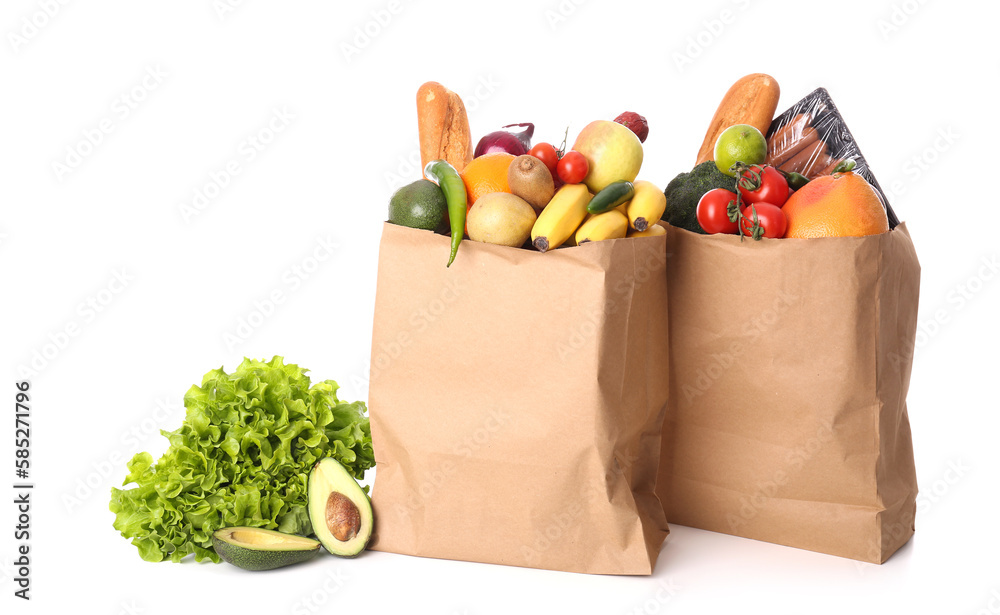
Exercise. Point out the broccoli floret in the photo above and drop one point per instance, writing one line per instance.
(684, 191)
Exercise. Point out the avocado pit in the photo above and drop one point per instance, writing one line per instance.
(342, 517)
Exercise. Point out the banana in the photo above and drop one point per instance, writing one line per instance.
(564, 213)
(611, 224)
(651, 231)
(646, 206)
(571, 240)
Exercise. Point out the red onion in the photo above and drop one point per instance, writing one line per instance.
(516, 143)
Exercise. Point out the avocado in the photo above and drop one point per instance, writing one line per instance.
(254, 548)
(339, 509)
(419, 205)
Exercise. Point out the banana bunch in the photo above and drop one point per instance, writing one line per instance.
(574, 216)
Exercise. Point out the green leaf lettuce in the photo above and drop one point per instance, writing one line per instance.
(241, 458)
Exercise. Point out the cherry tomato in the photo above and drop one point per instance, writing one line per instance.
(572, 167)
(773, 187)
(547, 154)
(712, 211)
(771, 219)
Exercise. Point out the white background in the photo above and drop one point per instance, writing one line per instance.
(327, 176)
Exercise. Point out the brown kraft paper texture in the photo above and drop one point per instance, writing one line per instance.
(790, 362)
(516, 402)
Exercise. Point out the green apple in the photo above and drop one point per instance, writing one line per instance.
(613, 153)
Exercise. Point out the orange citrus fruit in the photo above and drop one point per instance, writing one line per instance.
(486, 174)
(839, 205)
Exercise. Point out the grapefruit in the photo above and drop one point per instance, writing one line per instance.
(839, 205)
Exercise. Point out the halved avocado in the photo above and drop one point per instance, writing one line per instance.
(254, 548)
(340, 511)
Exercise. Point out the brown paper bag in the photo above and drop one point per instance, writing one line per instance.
(516, 402)
(790, 362)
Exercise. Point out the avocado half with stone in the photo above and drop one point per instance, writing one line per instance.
(340, 511)
(254, 548)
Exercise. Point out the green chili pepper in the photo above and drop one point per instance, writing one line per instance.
(451, 184)
(845, 166)
(795, 180)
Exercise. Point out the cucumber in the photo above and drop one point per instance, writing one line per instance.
(612, 196)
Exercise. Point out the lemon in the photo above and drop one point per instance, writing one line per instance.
(739, 143)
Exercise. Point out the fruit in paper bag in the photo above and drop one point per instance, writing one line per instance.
(530, 179)
(502, 219)
(418, 205)
(839, 205)
(611, 224)
(487, 174)
(613, 153)
(636, 123)
(739, 143)
(770, 220)
(654, 230)
(561, 217)
(647, 205)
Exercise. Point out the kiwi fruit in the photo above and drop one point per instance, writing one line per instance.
(531, 180)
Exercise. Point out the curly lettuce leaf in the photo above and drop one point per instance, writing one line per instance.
(241, 458)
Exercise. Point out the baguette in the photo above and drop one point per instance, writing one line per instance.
(751, 100)
(443, 126)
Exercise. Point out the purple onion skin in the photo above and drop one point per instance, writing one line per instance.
(500, 141)
(516, 144)
(523, 135)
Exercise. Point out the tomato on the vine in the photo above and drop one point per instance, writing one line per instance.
(547, 154)
(770, 217)
(713, 211)
(772, 187)
(572, 167)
